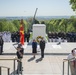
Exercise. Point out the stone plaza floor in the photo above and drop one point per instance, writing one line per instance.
(52, 63)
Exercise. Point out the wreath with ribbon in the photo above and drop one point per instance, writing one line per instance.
(39, 38)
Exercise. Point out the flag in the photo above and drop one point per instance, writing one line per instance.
(21, 32)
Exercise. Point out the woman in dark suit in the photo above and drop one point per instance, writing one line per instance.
(34, 47)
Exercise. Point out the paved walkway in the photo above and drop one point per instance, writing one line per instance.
(50, 65)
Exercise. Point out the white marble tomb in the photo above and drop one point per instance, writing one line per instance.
(39, 30)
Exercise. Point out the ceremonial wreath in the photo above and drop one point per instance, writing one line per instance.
(39, 38)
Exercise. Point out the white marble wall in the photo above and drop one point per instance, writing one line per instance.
(39, 30)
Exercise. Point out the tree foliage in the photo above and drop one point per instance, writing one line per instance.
(73, 3)
(11, 25)
(53, 25)
(61, 25)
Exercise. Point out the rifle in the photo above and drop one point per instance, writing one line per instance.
(15, 44)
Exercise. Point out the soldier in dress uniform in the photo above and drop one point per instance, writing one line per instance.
(25, 36)
(1, 44)
(28, 36)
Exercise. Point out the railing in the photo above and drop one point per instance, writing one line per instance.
(13, 59)
(66, 60)
(8, 70)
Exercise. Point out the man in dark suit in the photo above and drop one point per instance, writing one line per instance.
(42, 47)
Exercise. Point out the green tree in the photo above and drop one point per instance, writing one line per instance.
(42, 22)
(1, 26)
(73, 3)
(25, 25)
(36, 21)
(16, 23)
(12, 27)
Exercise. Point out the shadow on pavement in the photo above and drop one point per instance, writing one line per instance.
(31, 59)
(14, 73)
(38, 60)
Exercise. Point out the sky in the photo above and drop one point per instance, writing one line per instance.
(28, 7)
